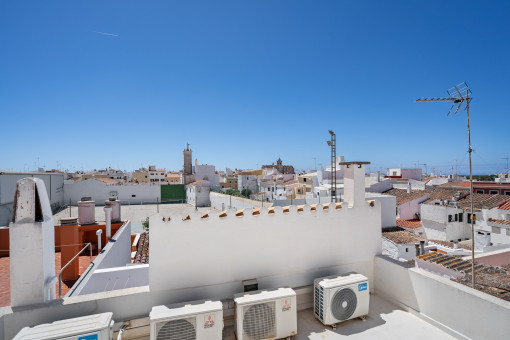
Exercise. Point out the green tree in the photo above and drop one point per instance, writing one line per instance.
(145, 224)
(246, 193)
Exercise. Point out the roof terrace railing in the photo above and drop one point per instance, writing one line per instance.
(68, 263)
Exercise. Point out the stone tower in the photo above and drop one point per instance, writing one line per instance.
(187, 161)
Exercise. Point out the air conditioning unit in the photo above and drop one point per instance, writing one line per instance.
(197, 320)
(341, 297)
(265, 314)
(97, 327)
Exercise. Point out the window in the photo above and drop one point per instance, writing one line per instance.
(456, 217)
(407, 250)
(479, 191)
(461, 215)
(507, 192)
(304, 179)
(450, 219)
(133, 195)
(494, 192)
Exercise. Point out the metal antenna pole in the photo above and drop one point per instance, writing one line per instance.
(332, 144)
(470, 150)
(461, 103)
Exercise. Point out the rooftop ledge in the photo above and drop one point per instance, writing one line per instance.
(292, 209)
(353, 162)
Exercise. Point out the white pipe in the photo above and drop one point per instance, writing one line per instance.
(49, 285)
(121, 330)
(98, 233)
(108, 219)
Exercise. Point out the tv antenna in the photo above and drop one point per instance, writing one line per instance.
(332, 144)
(459, 95)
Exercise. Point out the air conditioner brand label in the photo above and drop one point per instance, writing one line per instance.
(209, 321)
(362, 286)
(88, 337)
(285, 305)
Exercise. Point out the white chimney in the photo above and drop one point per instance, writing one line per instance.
(354, 183)
(86, 211)
(115, 205)
(108, 219)
(32, 245)
(409, 187)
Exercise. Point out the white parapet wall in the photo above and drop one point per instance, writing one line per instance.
(278, 249)
(460, 310)
(100, 192)
(222, 202)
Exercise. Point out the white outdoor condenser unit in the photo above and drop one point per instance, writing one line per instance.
(341, 297)
(197, 320)
(266, 314)
(91, 327)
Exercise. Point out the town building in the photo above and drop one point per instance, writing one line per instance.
(407, 173)
(207, 173)
(187, 167)
(198, 193)
(140, 176)
(156, 176)
(230, 182)
(282, 169)
(208, 255)
(248, 180)
(173, 178)
(448, 218)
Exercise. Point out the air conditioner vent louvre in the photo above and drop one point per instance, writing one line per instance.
(181, 329)
(259, 321)
(319, 302)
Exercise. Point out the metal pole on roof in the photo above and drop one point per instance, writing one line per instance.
(471, 195)
(460, 103)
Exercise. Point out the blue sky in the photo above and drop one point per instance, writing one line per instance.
(246, 82)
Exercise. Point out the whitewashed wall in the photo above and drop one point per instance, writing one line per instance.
(436, 226)
(206, 172)
(198, 196)
(100, 192)
(222, 202)
(457, 309)
(408, 210)
(282, 249)
(115, 254)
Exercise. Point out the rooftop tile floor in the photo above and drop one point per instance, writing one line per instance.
(5, 293)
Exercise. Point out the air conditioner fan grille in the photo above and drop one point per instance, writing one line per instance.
(343, 304)
(259, 321)
(182, 329)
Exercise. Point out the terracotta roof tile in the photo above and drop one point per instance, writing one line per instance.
(505, 205)
(409, 224)
(462, 184)
(197, 182)
(142, 250)
(496, 221)
(398, 235)
(403, 196)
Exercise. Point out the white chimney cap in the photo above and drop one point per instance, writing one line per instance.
(99, 231)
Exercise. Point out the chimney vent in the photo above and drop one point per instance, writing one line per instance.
(86, 211)
(69, 221)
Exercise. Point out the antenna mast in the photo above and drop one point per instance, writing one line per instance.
(332, 144)
(459, 95)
